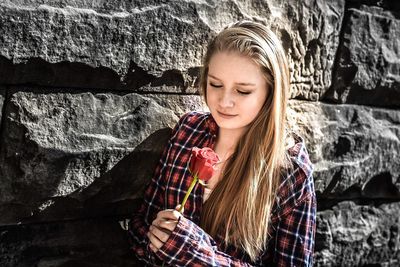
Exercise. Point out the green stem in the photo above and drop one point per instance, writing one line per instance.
(188, 193)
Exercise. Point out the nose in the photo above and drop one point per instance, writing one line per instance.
(226, 100)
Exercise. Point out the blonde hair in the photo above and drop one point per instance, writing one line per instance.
(239, 208)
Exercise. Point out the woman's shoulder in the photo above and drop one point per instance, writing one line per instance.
(199, 121)
(195, 116)
(297, 181)
(299, 155)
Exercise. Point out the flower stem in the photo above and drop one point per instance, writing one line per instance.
(188, 193)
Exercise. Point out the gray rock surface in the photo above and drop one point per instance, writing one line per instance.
(354, 149)
(63, 144)
(94, 87)
(352, 235)
(2, 98)
(142, 41)
(368, 66)
(310, 30)
(152, 39)
(90, 242)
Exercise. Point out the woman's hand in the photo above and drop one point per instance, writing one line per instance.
(162, 227)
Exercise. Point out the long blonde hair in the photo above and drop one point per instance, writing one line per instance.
(239, 208)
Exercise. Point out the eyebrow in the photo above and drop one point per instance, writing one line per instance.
(244, 84)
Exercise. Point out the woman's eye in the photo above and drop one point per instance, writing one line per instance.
(243, 93)
(216, 86)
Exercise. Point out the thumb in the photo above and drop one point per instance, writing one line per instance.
(179, 207)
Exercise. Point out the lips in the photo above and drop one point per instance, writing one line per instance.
(225, 115)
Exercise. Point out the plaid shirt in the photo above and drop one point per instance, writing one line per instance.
(292, 222)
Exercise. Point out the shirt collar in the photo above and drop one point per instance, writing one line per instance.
(211, 124)
(300, 155)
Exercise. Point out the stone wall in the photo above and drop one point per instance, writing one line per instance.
(89, 91)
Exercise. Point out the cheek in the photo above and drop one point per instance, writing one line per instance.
(255, 104)
(207, 95)
(211, 97)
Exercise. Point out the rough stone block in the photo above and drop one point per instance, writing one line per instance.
(68, 145)
(141, 45)
(2, 98)
(368, 66)
(354, 148)
(352, 235)
(91, 242)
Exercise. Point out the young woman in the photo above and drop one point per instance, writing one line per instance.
(259, 208)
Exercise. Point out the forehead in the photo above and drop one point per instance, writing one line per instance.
(236, 68)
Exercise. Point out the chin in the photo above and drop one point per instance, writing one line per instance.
(230, 125)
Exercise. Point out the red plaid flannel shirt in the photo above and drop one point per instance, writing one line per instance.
(293, 216)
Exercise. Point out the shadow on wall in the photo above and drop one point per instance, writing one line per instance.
(79, 75)
(83, 227)
(357, 153)
(113, 194)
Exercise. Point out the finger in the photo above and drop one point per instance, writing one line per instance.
(178, 208)
(168, 226)
(162, 213)
(169, 214)
(162, 235)
(153, 248)
(153, 228)
(176, 214)
(154, 240)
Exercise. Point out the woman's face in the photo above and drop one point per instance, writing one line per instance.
(236, 90)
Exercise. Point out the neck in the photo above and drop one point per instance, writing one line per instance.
(226, 142)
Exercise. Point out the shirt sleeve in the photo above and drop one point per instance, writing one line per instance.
(190, 245)
(152, 203)
(296, 233)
